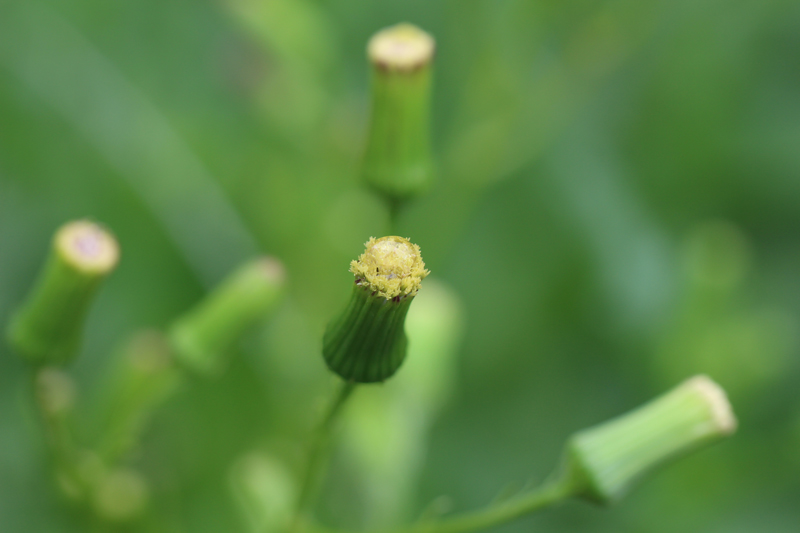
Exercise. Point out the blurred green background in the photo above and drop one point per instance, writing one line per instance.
(616, 209)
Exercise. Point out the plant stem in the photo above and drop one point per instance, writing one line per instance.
(395, 207)
(318, 451)
(203, 337)
(56, 430)
(143, 378)
(552, 492)
(495, 515)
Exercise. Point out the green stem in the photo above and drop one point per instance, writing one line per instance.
(501, 513)
(58, 436)
(202, 338)
(395, 206)
(318, 452)
(552, 492)
(145, 376)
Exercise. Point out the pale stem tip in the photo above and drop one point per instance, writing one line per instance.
(403, 47)
(717, 401)
(87, 246)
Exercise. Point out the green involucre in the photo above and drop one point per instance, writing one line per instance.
(367, 342)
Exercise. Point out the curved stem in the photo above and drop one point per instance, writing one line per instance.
(550, 493)
(495, 515)
(55, 424)
(394, 213)
(317, 453)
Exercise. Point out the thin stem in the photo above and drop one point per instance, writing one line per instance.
(495, 515)
(395, 206)
(550, 493)
(58, 436)
(318, 452)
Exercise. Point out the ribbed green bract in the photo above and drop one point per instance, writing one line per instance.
(367, 342)
(604, 461)
(397, 160)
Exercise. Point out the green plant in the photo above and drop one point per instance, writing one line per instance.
(366, 344)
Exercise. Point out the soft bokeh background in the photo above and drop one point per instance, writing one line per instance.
(616, 210)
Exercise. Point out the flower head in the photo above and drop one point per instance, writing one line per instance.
(390, 267)
(367, 342)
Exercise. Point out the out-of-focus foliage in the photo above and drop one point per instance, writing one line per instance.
(615, 210)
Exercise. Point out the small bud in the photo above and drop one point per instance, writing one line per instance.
(49, 326)
(397, 161)
(367, 342)
(604, 461)
(203, 337)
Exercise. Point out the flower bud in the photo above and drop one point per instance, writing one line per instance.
(606, 460)
(48, 328)
(397, 161)
(202, 338)
(366, 343)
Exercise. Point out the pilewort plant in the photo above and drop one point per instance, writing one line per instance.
(364, 344)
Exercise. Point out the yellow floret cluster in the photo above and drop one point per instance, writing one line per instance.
(391, 267)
